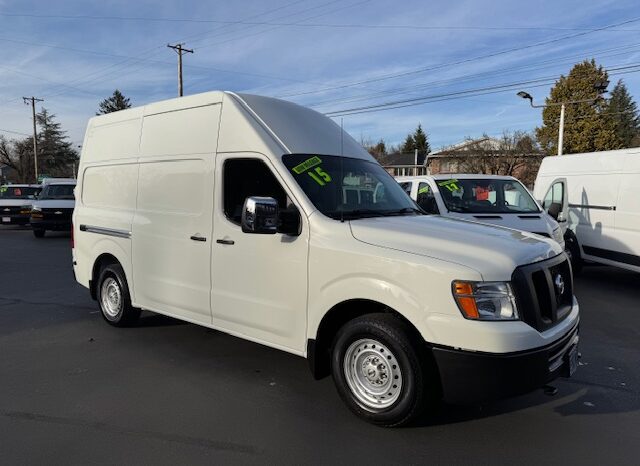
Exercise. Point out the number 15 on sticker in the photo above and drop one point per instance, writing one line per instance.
(320, 176)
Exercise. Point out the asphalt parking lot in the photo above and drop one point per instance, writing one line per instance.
(74, 390)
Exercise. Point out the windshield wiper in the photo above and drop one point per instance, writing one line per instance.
(404, 210)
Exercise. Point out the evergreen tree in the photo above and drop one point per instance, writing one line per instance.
(587, 127)
(623, 114)
(421, 141)
(56, 155)
(114, 103)
(418, 140)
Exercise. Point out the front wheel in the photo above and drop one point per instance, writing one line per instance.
(572, 249)
(113, 297)
(380, 371)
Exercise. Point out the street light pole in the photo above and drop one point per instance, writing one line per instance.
(561, 130)
(600, 86)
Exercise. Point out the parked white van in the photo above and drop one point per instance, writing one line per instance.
(237, 212)
(498, 200)
(53, 208)
(595, 199)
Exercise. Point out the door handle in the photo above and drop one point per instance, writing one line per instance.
(225, 241)
(198, 238)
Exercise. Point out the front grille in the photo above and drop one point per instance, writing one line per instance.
(51, 214)
(13, 210)
(544, 292)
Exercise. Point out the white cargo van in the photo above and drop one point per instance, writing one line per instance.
(595, 199)
(262, 219)
(498, 200)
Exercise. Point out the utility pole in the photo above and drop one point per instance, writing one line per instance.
(180, 51)
(32, 100)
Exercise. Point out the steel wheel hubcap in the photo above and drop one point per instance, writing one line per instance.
(111, 297)
(373, 374)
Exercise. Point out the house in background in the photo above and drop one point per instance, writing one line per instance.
(407, 164)
(486, 155)
(7, 174)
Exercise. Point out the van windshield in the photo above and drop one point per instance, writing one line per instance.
(18, 192)
(57, 191)
(348, 188)
(486, 196)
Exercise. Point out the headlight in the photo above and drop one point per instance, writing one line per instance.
(25, 209)
(557, 235)
(485, 300)
(36, 209)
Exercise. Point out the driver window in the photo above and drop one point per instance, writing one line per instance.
(555, 195)
(243, 178)
(426, 200)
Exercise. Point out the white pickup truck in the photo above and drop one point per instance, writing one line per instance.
(494, 199)
(262, 219)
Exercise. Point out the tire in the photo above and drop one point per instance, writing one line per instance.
(572, 248)
(113, 297)
(39, 233)
(399, 381)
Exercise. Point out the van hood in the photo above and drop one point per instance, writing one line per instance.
(535, 222)
(494, 252)
(15, 202)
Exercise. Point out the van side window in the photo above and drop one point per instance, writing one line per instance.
(554, 195)
(426, 199)
(243, 178)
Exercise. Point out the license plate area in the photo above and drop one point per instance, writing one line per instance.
(6, 219)
(570, 360)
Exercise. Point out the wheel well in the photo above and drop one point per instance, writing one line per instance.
(319, 350)
(102, 261)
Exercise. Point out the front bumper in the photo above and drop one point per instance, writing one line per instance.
(14, 219)
(473, 377)
(46, 224)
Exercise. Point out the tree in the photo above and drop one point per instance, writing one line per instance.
(587, 127)
(114, 103)
(513, 154)
(18, 154)
(623, 114)
(56, 155)
(418, 140)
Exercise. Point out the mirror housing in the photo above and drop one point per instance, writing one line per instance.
(260, 215)
(554, 209)
(561, 218)
(290, 222)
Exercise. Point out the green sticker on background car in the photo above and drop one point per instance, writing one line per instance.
(451, 185)
(423, 190)
(307, 164)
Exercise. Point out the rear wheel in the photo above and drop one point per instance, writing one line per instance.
(38, 232)
(380, 371)
(113, 297)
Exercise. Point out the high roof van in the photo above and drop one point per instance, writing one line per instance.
(595, 198)
(263, 219)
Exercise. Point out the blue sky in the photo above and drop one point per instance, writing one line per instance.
(314, 53)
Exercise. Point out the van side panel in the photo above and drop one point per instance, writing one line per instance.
(172, 226)
(106, 201)
(628, 214)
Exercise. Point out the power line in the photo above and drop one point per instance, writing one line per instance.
(477, 91)
(316, 25)
(460, 62)
(473, 77)
(14, 132)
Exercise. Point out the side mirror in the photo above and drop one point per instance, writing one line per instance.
(561, 218)
(554, 210)
(260, 215)
(290, 222)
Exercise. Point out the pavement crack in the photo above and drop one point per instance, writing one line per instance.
(104, 427)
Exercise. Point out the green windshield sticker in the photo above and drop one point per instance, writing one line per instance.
(451, 185)
(4, 189)
(307, 164)
(423, 190)
(320, 176)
